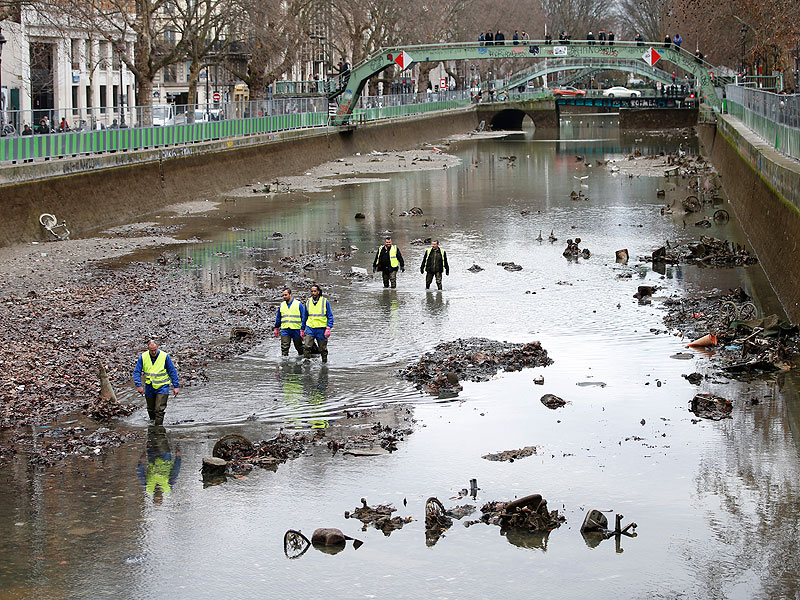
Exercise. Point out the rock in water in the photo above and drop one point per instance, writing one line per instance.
(552, 401)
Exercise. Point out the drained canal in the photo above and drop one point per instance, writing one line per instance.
(717, 503)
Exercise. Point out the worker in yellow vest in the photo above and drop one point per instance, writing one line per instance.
(153, 373)
(387, 260)
(290, 323)
(318, 323)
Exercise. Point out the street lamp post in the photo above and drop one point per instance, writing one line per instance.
(744, 41)
(2, 96)
(121, 47)
(208, 114)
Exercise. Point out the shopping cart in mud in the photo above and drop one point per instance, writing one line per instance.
(51, 224)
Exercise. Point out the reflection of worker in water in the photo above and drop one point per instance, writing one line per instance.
(152, 375)
(290, 323)
(318, 323)
(304, 395)
(387, 260)
(158, 467)
(433, 264)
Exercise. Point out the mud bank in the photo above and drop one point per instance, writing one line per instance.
(107, 197)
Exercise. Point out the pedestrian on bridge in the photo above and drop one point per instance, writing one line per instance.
(388, 260)
(152, 375)
(611, 37)
(638, 39)
(667, 41)
(525, 37)
(677, 40)
(318, 323)
(601, 37)
(515, 37)
(489, 38)
(433, 264)
(290, 323)
(481, 39)
(499, 38)
(590, 38)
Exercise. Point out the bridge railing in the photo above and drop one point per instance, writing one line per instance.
(773, 117)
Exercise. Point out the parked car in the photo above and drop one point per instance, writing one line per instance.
(163, 115)
(619, 91)
(568, 90)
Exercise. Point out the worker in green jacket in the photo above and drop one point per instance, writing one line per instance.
(433, 263)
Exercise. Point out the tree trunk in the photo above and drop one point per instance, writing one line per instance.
(106, 391)
(144, 94)
(423, 79)
(194, 76)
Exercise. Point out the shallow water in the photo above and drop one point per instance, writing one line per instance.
(717, 504)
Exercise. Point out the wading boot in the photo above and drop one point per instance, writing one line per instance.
(325, 357)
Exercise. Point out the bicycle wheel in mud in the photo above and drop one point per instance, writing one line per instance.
(728, 313)
(722, 216)
(692, 204)
(295, 544)
(232, 446)
(748, 312)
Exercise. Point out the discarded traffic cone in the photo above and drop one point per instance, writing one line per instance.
(707, 340)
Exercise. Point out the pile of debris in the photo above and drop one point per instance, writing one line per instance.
(380, 517)
(59, 442)
(743, 342)
(709, 251)
(314, 261)
(510, 266)
(529, 513)
(709, 406)
(473, 359)
(511, 455)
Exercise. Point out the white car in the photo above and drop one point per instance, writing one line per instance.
(619, 91)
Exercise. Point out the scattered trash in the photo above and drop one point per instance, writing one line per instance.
(529, 513)
(572, 251)
(509, 266)
(709, 406)
(360, 216)
(595, 529)
(622, 256)
(693, 378)
(475, 269)
(331, 540)
(552, 401)
(511, 455)
(472, 359)
(379, 517)
(539, 380)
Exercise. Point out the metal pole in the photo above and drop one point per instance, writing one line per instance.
(2, 96)
(121, 49)
(208, 116)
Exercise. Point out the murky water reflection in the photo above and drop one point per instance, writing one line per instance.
(716, 503)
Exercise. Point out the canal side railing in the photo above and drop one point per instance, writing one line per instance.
(28, 148)
(773, 117)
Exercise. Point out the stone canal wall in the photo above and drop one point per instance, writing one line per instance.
(764, 189)
(657, 118)
(112, 189)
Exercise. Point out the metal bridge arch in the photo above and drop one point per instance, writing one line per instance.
(348, 87)
(587, 67)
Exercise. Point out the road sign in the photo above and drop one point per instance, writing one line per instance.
(651, 57)
(217, 97)
(404, 59)
(443, 83)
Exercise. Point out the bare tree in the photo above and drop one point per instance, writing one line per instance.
(201, 24)
(650, 18)
(267, 37)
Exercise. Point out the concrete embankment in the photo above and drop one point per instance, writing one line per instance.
(764, 189)
(92, 192)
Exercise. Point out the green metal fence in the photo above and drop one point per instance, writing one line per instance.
(772, 117)
(387, 112)
(37, 147)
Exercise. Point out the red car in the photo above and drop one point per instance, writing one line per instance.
(568, 90)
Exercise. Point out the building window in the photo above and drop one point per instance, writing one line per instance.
(170, 74)
(103, 58)
(75, 48)
(74, 97)
(103, 99)
(115, 91)
(88, 96)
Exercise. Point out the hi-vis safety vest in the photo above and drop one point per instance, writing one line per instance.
(155, 373)
(290, 315)
(317, 313)
(392, 257)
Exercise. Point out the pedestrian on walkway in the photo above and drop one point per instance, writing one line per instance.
(153, 373)
(387, 260)
(318, 323)
(433, 263)
(290, 323)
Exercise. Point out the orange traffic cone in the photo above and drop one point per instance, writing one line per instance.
(707, 340)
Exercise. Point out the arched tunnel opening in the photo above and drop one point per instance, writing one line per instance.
(508, 120)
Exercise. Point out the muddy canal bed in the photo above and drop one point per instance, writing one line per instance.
(711, 498)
